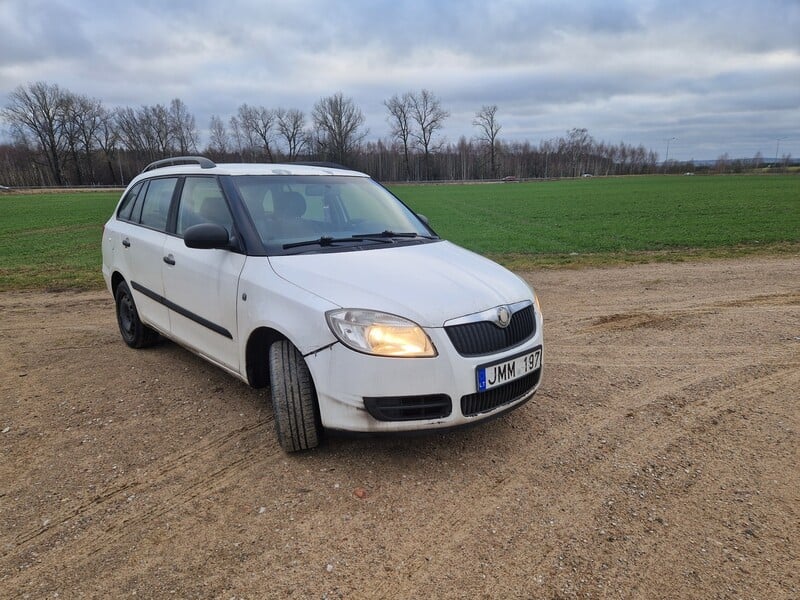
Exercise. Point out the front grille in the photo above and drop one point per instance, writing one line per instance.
(484, 337)
(481, 402)
(409, 408)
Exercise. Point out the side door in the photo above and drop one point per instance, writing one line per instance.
(117, 241)
(202, 285)
(143, 245)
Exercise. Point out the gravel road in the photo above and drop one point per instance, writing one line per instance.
(661, 459)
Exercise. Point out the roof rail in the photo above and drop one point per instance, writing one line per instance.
(180, 160)
(326, 164)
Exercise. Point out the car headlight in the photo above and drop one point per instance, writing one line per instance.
(379, 333)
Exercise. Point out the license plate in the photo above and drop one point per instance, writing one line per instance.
(492, 375)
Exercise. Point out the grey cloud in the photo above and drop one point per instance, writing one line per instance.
(637, 71)
(37, 30)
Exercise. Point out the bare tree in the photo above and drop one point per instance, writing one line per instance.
(579, 145)
(131, 134)
(256, 123)
(182, 127)
(89, 124)
(83, 118)
(58, 136)
(72, 138)
(337, 124)
(399, 108)
(18, 163)
(147, 132)
(158, 129)
(464, 153)
(291, 128)
(38, 110)
(107, 138)
(488, 129)
(723, 161)
(219, 140)
(427, 112)
(238, 138)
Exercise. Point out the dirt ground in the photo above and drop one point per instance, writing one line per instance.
(661, 459)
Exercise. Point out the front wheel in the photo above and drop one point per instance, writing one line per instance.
(294, 399)
(135, 333)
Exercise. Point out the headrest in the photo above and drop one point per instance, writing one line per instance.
(289, 205)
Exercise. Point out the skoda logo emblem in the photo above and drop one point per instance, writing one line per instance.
(503, 316)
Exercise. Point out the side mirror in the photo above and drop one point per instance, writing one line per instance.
(424, 219)
(207, 236)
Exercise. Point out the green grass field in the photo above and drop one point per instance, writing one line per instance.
(52, 241)
(613, 215)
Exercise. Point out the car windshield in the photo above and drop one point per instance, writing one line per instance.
(307, 213)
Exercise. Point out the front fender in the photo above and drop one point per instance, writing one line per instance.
(267, 300)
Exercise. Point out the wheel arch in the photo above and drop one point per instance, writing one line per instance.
(257, 355)
(116, 277)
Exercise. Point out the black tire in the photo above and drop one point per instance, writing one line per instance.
(294, 399)
(134, 333)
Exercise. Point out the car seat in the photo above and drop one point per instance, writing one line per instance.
(289, 207)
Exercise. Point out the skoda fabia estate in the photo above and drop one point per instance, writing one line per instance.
(318, 282)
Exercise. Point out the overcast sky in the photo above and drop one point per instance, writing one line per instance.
(720, 76)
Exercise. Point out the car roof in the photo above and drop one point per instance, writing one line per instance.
(250, 169)
(194, 165)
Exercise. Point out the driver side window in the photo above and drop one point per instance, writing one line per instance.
(202, 202)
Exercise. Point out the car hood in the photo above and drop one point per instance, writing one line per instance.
(428, 283)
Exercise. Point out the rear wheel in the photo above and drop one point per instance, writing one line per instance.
(294, 399)
(135, 333)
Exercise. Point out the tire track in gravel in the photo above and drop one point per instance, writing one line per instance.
(671, 317)
(630, 445)
(458, 530)
(650, 504)
(690, 408)
(209, 472)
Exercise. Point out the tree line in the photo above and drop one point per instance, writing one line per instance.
(60, 138)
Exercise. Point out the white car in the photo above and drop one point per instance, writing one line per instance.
(320, 283)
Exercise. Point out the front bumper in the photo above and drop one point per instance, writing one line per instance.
(344, 378)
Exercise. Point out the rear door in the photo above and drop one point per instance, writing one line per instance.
(144, 248)
(202, 285)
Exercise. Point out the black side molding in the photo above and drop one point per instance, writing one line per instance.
(182, 311)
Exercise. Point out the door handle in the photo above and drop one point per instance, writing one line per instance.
(169, 259)
(126, 242)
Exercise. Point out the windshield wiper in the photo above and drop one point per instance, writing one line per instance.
(327, 240)
(383, 237)
(393, 234)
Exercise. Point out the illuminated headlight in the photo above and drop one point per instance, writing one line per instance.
(379, 333)
(536, 306)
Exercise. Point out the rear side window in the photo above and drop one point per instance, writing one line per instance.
(155, 210)
(126, 206)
